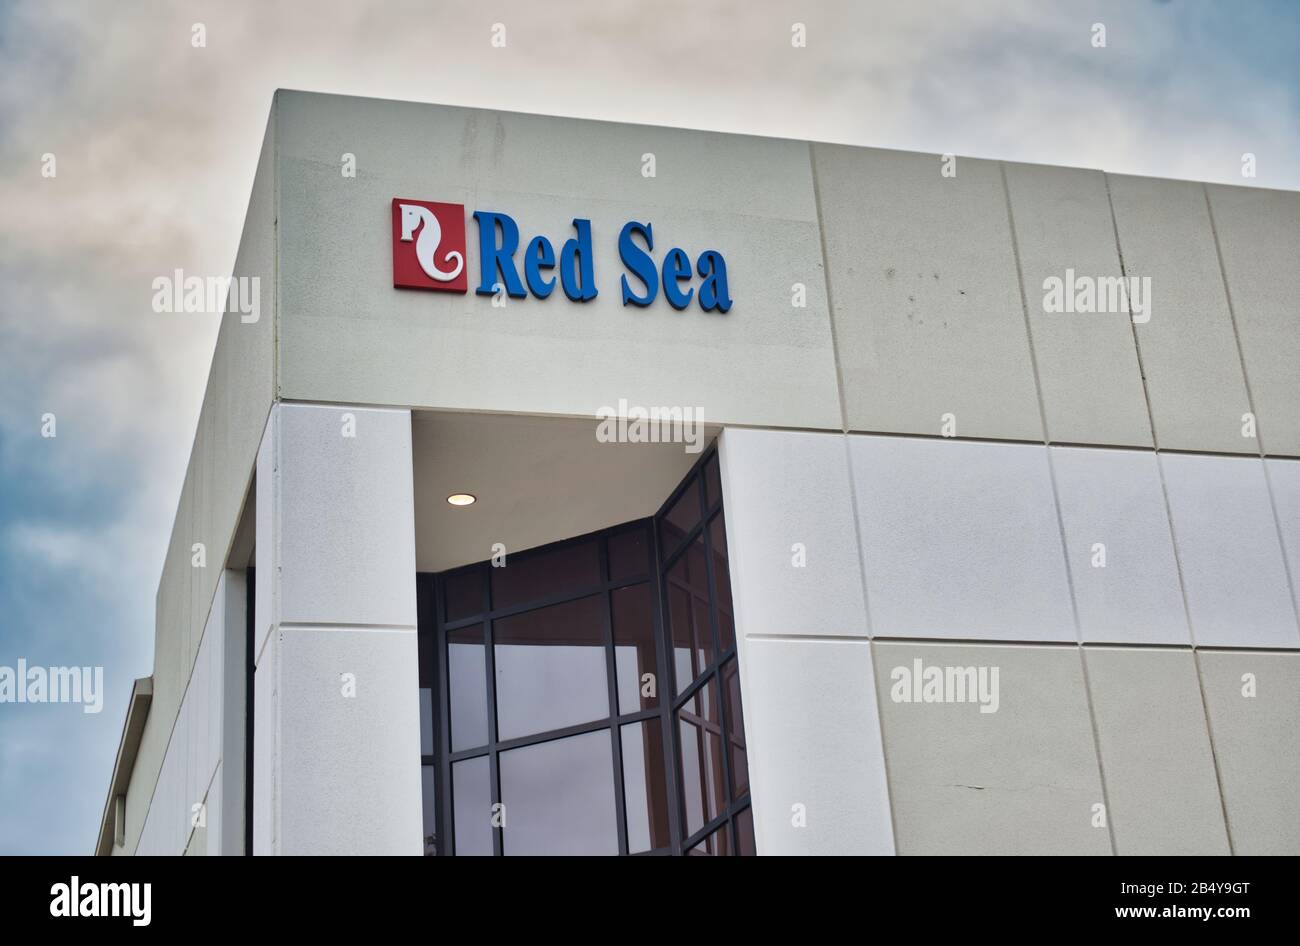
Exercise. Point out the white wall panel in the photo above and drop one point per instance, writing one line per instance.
(816, 766)
(961, 540)
(1284, 486)
(927, 310)
(194, 751)
(784, 490)
(1128, 590)
(1155, 751)
(337, 773)
(1227, 542)
(1087, 361)
(347, 336)
(1189, 352)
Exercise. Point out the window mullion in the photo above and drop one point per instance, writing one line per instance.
(494, 757)
(611, 669)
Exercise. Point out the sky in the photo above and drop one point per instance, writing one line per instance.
(156, 141)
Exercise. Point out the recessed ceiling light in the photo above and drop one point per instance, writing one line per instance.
(461, 499)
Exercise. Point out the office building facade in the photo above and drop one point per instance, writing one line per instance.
(579, 487)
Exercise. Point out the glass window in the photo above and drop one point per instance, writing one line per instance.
(463, 594)
(722, 583)
(550, 668)
(703, 783)
(427, 661)
(712, 482)
(745, 833)
(467, 680)
(636, 658)
(735, 730)
(688, 615)
(426, 721)
(558, 627)
(679, 520)
(429, 803)
(713, 771)
(715, 845)
(428, 688)
(629, 554)
(530, 576)
(645, 786)
(471, 793)
(559, 797)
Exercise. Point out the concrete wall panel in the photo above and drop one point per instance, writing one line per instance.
(1227, 542)
(266, 749)
(1189, 352)
(349, 767)
(782, 490)
(346, 525)
(750, 198)
(926, 307)
(337, 743)
(1021, 780)
(1284, 487)
(194, 751)
(950, 530)
(1257, 743)
(1114, 499)
(814, 748)
(1155, 751)
(1087, 361)
(1259, 241)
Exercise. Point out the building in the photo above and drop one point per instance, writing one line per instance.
(973, 526)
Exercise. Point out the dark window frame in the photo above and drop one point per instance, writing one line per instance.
(433, 629)
(711, 508)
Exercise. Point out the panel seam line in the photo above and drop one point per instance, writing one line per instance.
(853, 492)
(1056, 504)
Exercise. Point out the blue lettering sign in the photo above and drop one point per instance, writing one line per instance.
(498, 239)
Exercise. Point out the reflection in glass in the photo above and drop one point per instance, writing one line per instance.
(700, 732)
(645, 786)
(551, 661)
(745, 833)
(550, 667)
(429, 806)
(680, 519)
(471, 793)
(559, 797)
(688, 615)
(722, 583)
(426, 721)
(629, 554)
(682, 667)
(467, 680)
(712, 482)
(636, 659)
(716, 844)
(533, 576)
(463, 594)
(736, 730)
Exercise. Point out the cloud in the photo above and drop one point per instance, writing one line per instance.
(59, 549)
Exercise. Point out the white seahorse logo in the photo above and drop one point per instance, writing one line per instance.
(427, 244)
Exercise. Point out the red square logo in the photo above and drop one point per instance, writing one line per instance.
(429, 246)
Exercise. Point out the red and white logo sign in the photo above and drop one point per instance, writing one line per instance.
(429, 246)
